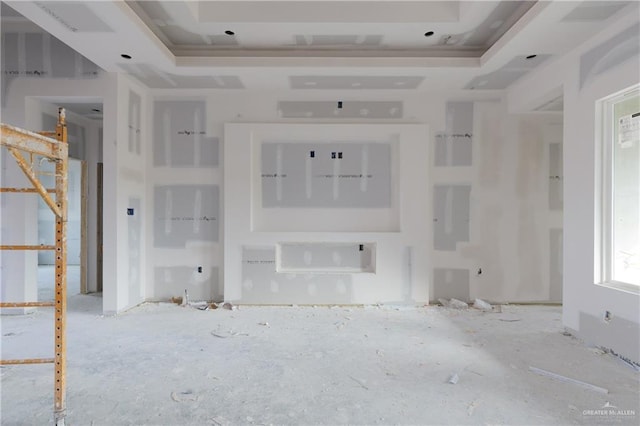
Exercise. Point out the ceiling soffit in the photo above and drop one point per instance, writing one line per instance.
(326, 28)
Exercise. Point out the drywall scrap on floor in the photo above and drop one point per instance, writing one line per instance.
(304, 365)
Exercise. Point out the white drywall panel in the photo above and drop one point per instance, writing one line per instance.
(584, 301)
(124, 168)
(184, 195)
(180, 138)
(244, 141)
(262, 284)
(184, 214)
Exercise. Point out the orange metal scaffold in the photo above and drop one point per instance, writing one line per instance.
(19, 141)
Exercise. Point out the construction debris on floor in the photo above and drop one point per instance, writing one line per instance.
(163, 364)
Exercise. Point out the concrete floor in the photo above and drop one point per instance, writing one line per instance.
(161, 364)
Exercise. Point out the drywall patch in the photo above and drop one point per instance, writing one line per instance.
(454, 146)
(508, 74)
(450, 283)
(135, 105)
(326, 174)
(492, 28)
(154, 78)
(74, 16)
(618, 49)
(354, 82)
(555, 265)
(134, 224)
(345, 40)
(555, 177)
(263, 285)
(590, 11)
(179, 129)
(40, 55)
(172, 281)
(347, 109)
(185, 213)
(451, 207)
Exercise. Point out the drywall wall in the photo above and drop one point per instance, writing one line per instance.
(585, 300)
(125, 201)
(26, 101)
(124, 181)
(388, 158)
(501, 162)
(506, 173)
(184, 194)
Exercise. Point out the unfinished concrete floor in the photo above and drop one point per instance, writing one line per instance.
(161, 364)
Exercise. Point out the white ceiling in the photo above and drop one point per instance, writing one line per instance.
(318, 45)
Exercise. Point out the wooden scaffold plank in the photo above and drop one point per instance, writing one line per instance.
(26, 190)
(60, 318)
(26, 304)
(28, 171)
(27, 247)
(34, 143)
(26, 361)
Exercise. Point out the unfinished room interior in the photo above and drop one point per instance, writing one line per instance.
(320, 212)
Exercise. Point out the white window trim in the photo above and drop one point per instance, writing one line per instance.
(604, 193)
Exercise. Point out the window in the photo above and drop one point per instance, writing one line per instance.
(621, 189)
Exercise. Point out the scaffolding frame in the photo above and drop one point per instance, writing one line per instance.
(52, 146)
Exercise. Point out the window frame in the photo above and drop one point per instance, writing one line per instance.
(604, 249)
